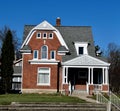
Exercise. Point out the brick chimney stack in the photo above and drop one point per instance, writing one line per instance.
(58, 21)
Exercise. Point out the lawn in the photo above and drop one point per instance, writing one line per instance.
(8, 98)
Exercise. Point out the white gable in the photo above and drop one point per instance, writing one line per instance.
(44, 26)
(86, 60)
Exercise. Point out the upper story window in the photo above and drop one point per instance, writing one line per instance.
(44, 52)
(44, 35)
(35, 54)
(50, 35)
(38, 35)
(52, 54)
(81, 48)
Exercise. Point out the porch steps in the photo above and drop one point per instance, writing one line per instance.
(54, 107)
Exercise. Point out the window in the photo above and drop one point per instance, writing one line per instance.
(51, 35)
(44, 52)
(35, 54)
(80, 50)
(52, 54)
(43, 76)
(44, 35)
(38, 35)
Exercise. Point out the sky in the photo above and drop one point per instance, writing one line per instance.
(102, 15)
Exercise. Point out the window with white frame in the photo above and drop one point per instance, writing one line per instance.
(43, 76)
(50, 35)
(35, 54)
(52, 54)
(38, 35)
(81, 48)
(44, 35)
(44, 52)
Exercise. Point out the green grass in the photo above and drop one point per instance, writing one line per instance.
(8, 98)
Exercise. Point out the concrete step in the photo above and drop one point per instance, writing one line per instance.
(54, 107)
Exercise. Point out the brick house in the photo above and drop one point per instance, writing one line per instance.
(61, 58)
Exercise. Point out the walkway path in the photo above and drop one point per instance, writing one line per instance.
(85, 97)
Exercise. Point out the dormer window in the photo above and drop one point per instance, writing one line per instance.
(81, 48)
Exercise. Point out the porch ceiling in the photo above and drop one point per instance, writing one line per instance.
(85, 60)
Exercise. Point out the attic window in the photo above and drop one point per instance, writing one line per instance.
(50, 35)
(44, 35)
(38, 35)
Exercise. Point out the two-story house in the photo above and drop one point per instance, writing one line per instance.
(61, 58)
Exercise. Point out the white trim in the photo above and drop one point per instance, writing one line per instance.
(44, 26)
(44, 37)
(49, 36)
(101, 63)
(81, 44)
(39, 61)
(37, 35)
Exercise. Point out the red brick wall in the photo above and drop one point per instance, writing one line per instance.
(30, 70)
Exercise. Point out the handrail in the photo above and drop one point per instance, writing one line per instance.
(115, 100)
(101, 98)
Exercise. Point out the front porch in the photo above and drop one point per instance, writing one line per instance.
(86, 79)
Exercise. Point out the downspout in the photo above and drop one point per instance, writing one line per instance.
(58, 76)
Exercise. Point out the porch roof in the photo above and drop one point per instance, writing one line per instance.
(85, 60)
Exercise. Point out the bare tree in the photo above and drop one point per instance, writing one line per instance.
(114, 71)
(16, 40)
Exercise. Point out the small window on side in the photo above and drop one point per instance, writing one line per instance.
(52, 54)
(35, 54)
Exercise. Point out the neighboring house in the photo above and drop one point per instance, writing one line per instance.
(16, 80)
(61, 58)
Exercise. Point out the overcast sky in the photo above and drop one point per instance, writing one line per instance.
(102, 15)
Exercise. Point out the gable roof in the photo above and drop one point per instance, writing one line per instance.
(70, 35)
(43, 26)
(85, 60)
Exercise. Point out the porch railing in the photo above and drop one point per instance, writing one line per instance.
(97, 88)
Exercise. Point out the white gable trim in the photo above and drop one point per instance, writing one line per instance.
(76, 61)
(44, 26)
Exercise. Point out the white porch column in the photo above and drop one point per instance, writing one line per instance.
(66, 75)
(106, 75)
(91, 75)
(103, 75)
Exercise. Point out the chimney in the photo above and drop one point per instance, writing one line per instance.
(58, 21)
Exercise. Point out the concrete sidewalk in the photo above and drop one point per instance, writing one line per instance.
(85, 97)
